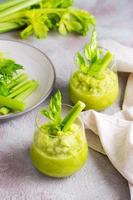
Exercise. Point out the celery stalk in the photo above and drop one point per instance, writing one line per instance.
(27, 92)
(102, 66)
(17, 79)
(20, 90)
(20, 85)
(17, 7)
(8, 26)
(9, 4)
(106, 60)
(15, 17)
(14, 104)
(21, 97)
(72, 115)
(4, 110)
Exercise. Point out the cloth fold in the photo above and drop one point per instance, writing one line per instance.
(113, 134)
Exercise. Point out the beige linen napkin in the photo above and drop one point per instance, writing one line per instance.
(113, 134)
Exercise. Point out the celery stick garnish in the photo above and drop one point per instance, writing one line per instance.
(72, 115)
(53, 112)
(95, 59)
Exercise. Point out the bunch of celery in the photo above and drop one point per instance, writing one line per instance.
(38, 17)
(95, 60)
(14, 86)
(53, 113)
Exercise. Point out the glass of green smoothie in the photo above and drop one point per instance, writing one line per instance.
(59, 147)
(95, 81)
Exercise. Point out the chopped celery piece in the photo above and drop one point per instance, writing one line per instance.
(53, 112)
(28, 92)
(22, 96)
(9, 4)
(21, 89)
(14, 104)
(8, 26)
(17, 7)
(17, 79)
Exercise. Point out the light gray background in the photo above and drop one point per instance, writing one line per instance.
(98, 180)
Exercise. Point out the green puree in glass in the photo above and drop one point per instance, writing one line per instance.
(94, 83)
(60, 155)
(96, 92)
(59, 147)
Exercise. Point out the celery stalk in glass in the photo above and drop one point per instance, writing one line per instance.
(59, 148)
(95, 83)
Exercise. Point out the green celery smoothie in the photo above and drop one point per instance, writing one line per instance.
(96, 92)
(62, 155)
(94, 82)
(60, 152)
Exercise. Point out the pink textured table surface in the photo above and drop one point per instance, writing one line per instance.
(98, 180)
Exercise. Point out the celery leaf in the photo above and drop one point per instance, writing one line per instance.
(53, 112)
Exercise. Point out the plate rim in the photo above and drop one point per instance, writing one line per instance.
(2, 117)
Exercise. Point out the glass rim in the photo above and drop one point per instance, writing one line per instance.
(81, 124)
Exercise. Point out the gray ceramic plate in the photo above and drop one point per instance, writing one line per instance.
(37, 65)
